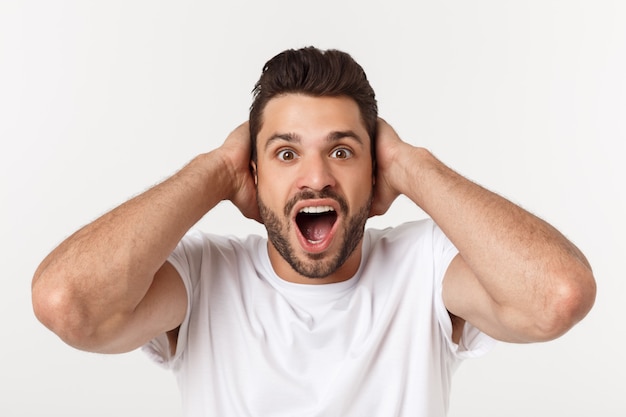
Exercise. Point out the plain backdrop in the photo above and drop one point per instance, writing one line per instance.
(100, 100)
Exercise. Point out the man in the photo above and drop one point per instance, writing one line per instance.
(323, 318)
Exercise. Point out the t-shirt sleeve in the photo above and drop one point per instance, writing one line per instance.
(473, 342)
(186, 259)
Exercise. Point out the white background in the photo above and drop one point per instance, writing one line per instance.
(100, 100)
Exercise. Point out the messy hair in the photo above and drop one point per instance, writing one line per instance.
(316, 73)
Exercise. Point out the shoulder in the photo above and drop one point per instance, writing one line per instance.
(419, 231)
(418, 244)
(196, 242)
(198, 251)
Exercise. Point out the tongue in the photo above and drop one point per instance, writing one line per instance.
(315, 228)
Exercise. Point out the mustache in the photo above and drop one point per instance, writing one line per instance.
(311, 194)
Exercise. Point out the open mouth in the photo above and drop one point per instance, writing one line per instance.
(316, 223)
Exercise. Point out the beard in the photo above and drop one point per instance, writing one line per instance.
(319, 265)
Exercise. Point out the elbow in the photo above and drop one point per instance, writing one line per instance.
(568, 302)
(61, 311)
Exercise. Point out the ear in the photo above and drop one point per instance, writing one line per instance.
(253, 171)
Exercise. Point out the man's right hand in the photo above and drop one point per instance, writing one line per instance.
(235, 154)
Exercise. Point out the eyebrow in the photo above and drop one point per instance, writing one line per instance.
(287, 137)
(335, 136)
(332, 137)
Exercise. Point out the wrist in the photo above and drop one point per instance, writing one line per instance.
(413, 168)
(406, 165)
(208, 174)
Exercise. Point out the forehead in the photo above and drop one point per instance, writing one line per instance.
(310, 116)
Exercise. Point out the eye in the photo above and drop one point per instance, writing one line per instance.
(286, 155)
(341, 153)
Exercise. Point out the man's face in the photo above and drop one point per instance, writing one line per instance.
(314, 185)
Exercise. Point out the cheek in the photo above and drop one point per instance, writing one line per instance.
(362, 186)
(271, 189)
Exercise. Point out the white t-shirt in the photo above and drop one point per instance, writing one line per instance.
(378, 344)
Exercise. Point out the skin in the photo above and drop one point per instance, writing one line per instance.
(108, 287)
(516, 277)
(314, 145)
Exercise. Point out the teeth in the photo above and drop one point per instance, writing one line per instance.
(316, 209)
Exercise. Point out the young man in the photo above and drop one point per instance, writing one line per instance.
(323, 318)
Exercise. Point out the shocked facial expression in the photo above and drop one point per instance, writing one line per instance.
(314, 186)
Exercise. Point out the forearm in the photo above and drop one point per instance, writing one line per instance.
(104, 270)
(521, 261)
(481, 222)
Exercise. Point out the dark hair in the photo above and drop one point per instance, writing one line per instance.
(317, 73)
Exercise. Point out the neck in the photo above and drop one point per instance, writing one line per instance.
(287, 272)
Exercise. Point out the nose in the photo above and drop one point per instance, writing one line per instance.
(315, 173)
